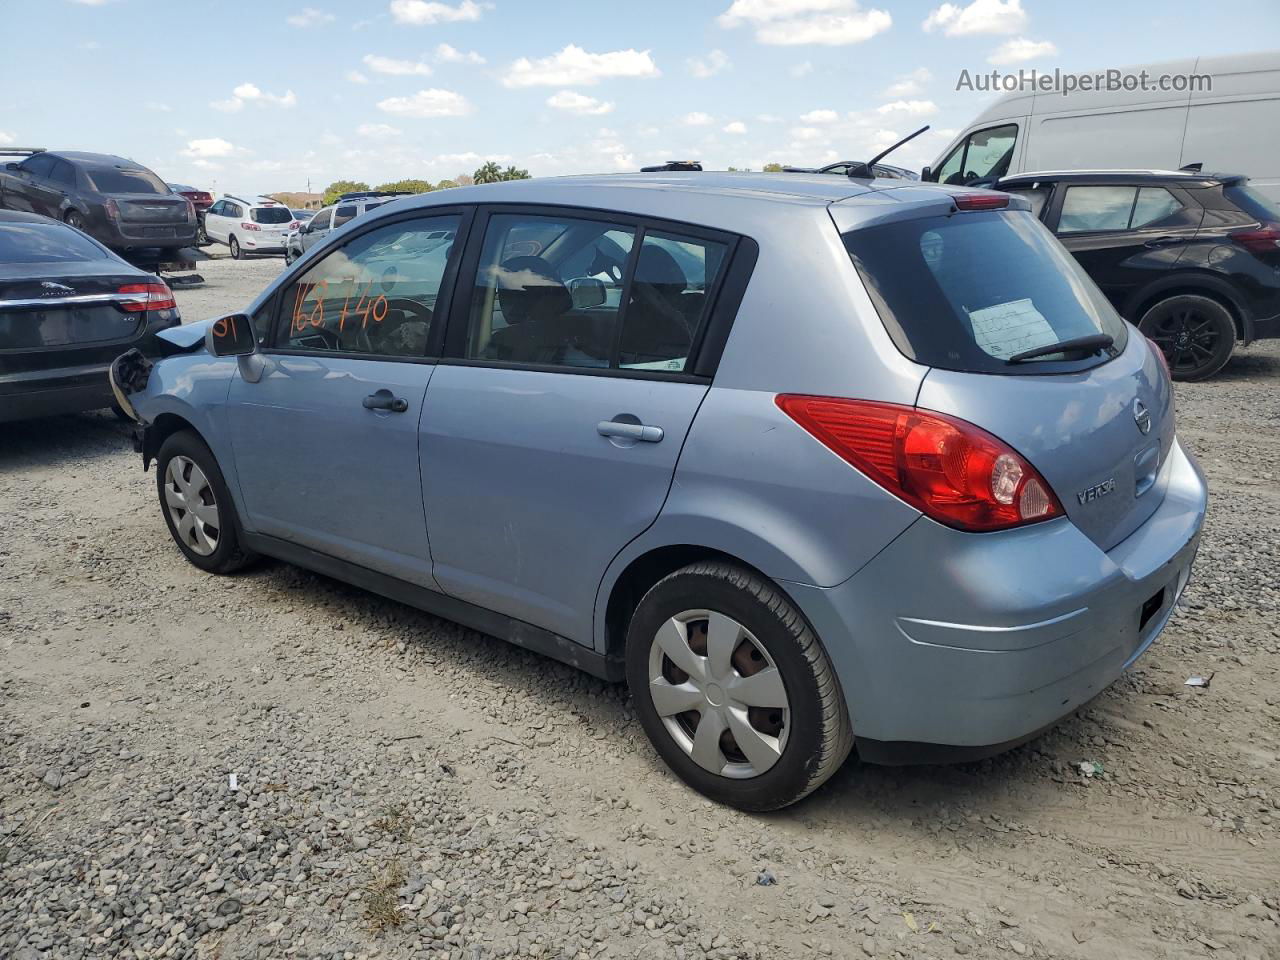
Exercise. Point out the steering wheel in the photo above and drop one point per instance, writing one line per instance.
(409, 310)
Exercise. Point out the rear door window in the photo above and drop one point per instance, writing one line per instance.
(1094, 209)
(342, 214)
(968, 291)
(668, 301)
(64, 173)
(1153, 205)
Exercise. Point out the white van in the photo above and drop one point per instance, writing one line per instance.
(1232, 128)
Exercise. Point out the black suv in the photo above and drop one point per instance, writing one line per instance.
(1193, 259)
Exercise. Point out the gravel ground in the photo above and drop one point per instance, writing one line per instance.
(278, 765)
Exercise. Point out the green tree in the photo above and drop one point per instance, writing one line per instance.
(515, 173)
(489, 173)
(446, 184)
(772, 168)
(339, 187)
(407, 186)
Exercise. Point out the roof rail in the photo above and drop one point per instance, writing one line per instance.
(21, 151)
(675, 166)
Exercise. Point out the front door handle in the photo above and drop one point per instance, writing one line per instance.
(623, 430)
(383, 400)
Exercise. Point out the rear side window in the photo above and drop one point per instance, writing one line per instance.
(1252, 202)
(668, 301)
(45, 243)
(1090, 209)
(125, 180)
(968, 291)
(271, 215)
(342, 214)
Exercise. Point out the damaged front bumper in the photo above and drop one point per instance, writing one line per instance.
(128, 374)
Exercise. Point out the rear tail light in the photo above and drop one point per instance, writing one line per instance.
(191, 209)
(112, 208)
(1266, 239)
(147, 296)
(946, 468)
(294, 224)
(981, 201)
(249, 226)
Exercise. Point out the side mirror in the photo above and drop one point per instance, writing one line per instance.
(231, 336)
(12, 166)
(586, 292)
(927, 174)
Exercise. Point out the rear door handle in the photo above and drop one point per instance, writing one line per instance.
(383, 400)
(1164, 241)
(629, 431)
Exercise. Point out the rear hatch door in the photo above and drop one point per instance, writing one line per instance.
(967, 291)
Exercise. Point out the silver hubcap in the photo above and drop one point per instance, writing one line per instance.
(191, 505)
(719, 694)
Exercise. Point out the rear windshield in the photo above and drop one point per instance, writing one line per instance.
(968, 291)
(1252, 202)
(271, 214)
(126, 180)
(45, 243)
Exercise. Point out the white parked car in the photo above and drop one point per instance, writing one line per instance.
(253, 225)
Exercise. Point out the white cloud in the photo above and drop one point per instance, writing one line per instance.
(910, 84)
(807, 133)
(448, 54)
(211, 147)
(768, 118)
(574, 66)
(310, 17)
(736, 127)
(6, 138)
(980, 16)
(249, 93)
(467, 160)
(427, 103)
(802, 69)
(831, 23)
(89, 45)
(914, 108)
(158, 107)
(421, 13)
(355, 76)
(696, 119)
(819, 116)
(91, 3)
(1021, 49)
(717, 61)
(572, 102)
(396, 68)
(378, 131)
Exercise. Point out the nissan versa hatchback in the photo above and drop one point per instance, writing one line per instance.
(813, 463)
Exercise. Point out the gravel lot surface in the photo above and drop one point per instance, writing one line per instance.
(278, 765)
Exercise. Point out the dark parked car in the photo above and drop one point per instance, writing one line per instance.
(118, 202)
(68, 307)
(1192, 258)
(201, 200)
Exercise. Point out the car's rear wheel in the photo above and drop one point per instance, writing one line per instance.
(234, 246)
(734, 689)
(202, 238)
(1196, 334)
(196, 505)
(74, 219)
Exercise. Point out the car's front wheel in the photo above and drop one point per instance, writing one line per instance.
(196, 505)
(734, 689)
(234, 245)
(1196, 334)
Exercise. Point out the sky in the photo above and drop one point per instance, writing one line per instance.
(270, 95)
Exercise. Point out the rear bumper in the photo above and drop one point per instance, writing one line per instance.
(983, 640)
(45, 393)
(124, 236)
(252, 244)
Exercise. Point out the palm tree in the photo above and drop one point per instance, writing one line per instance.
(489, 173)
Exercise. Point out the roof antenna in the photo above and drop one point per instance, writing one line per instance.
(863, 171)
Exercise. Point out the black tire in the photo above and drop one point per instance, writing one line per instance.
(202, 238)
(120, 414)
(228, 556)
(818, 733)
(234, 245)
(1196, 334)
(74, 219)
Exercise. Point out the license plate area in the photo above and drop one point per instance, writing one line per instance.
(1153, 605)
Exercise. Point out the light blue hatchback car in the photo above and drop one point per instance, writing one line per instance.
(811, 462)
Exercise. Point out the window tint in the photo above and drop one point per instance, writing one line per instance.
(342, 214)
(1036, 196)
(375, 295)
(1096, 208)
(41, 165)
(547, 291)
(934, 287)
(321, 220)
(1252, 202)
(271, 215)
(233, 210)
(46, 243)
(668, 301)
(125, 180)
(64, 173)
